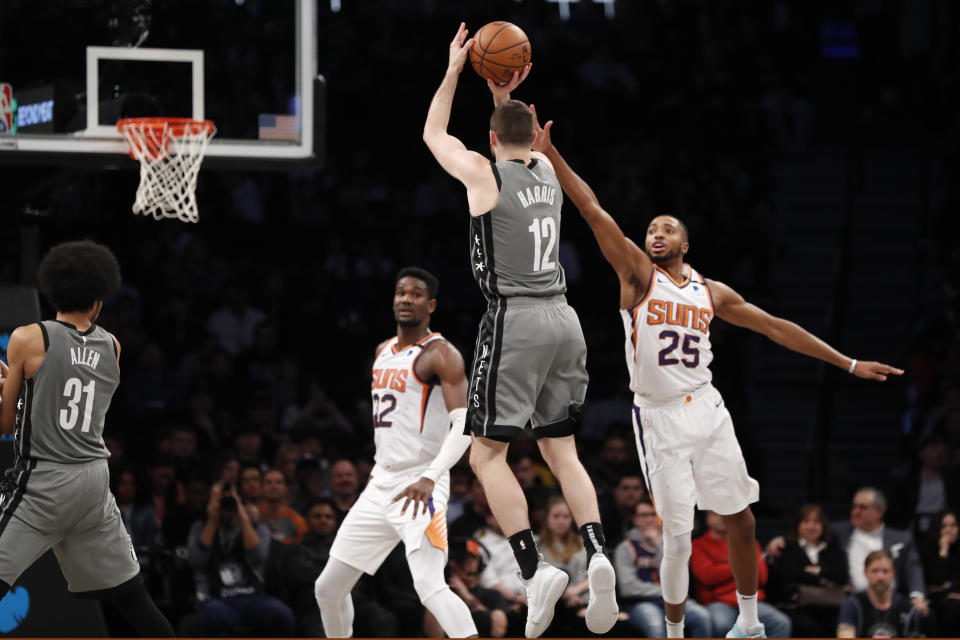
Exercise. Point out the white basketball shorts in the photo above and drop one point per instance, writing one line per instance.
(690, 457)
(374, 525)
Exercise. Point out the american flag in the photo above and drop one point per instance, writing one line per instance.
(278, 127)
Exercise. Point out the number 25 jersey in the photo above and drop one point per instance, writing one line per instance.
(410, 418)
(61, 408)
(668, 337)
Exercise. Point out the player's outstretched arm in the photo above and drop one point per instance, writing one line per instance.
(627, 259)
(443, 362)
(450, 152)
(730, 306)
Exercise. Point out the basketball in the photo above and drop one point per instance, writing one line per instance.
(499, 48)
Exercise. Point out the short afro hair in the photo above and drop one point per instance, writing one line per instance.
(421, 274)
(73, 276)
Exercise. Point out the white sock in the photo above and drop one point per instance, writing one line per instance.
(674, 629)
(748, 611)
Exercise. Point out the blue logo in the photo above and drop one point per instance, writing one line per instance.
(13, 609)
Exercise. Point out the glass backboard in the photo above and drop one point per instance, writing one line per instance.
(248, 65)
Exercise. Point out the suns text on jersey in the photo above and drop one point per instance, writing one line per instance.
(675, 313)
(84, 356)
(395, 379)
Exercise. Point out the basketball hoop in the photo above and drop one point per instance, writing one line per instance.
(170, 151)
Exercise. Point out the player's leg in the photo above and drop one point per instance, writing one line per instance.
(363, 542)
(426, 566)
(665, 458)
(725, 487)
(332, 590)
(99, 561)
(507, 367)
(555, 418)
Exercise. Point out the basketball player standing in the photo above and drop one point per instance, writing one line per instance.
(530, 360)
(61, 378)
(418, 435)
(685, 437)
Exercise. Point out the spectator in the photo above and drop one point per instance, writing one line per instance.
(321, 528)
(488, 607)
(310, 486)
(228, 554)
(714, 586)
(811, 570)
(475, 512)
(162, 494)
(344, 487)
(616, 511)
(247, 445)
(922, 493)
(941, 567)
(878, 612)
(459, 491)
(177, 524)
(183, 450)
(251, 484)
(637, 560)
(286, 462)
(866, 532)
(285, 524)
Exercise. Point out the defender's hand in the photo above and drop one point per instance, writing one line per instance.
(501, 92)
(875, 370)
(541, 137)
(459, 49)
(418, 492)
(4, 372)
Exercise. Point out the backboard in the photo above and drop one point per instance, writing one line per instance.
(248, 65)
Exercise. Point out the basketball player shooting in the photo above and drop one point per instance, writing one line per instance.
(418, 435)
(61, 378)
(685, 437)
(530, 360)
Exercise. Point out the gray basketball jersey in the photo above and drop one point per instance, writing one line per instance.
(62, 406)
(514, 246)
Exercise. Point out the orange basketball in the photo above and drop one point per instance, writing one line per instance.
(499, 48)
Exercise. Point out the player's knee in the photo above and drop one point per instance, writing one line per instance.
(327, 593)
(426, 588)
(677, 548)
(741, 526)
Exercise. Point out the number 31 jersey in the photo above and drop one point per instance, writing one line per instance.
(410, 417)
(61, 408)
(668, 337)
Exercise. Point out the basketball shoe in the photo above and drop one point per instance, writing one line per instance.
(543, 590)
(602, 609)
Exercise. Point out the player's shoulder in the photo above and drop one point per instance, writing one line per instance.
(382, 346)
(542, 158)
(28, 334)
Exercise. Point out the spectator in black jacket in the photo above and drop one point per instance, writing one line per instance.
(941, 567)
(811, 572)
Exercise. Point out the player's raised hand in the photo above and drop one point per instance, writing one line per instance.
(541, 139)
(459, 49)
(417, 493)
(875, 370)
(4, 372)
(501, 92)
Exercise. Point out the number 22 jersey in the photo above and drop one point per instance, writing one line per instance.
(410, 418)
(668, 337)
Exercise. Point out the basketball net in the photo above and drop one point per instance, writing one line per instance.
(170, 151)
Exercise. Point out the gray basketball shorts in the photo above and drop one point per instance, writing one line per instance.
(530, 366)
(67, 507)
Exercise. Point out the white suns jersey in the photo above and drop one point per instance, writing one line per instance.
(668, 337)
(410, 418)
